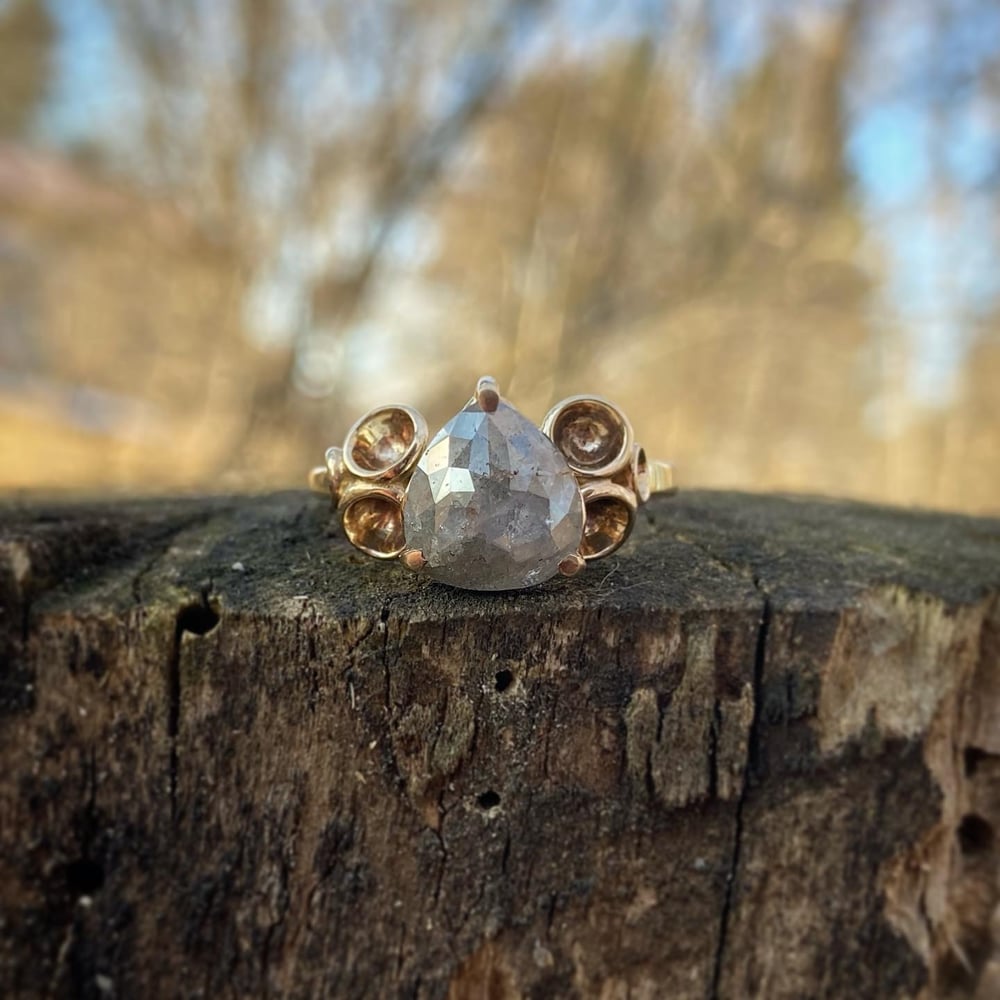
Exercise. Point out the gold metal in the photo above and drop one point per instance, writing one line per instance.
(319, 480)
(326, 478)
(384, 443)
(593, 435)
(572, 564)
(368, 476)
(661, 478)
(352, 489)
(373, 522)
(610, 517)
(413, 559)
(335, 462)
(488, 394)
(640, 473)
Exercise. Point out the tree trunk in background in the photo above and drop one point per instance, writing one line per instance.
(756, 754)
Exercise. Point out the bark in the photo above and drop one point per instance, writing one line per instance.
(755, 754)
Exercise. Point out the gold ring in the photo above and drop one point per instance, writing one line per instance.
(492, 502)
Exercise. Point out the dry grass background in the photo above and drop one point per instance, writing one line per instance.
(241, 223)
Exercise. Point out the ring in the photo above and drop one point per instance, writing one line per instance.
(491, 502)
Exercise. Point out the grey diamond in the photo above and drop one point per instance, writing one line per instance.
(492, 504)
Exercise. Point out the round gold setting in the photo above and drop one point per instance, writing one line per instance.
(610, 516)
(373, 522)
(640, 474)
(637, 476)
(593, 435)
(385, 442)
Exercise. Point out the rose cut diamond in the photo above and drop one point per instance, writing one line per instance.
(492, 504)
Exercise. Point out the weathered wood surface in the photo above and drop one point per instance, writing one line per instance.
(756, 754)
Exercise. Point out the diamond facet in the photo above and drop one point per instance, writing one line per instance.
(492, 505)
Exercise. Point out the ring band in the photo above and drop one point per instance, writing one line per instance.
(492, 502)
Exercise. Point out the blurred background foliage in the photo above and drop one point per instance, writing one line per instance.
(770, 229)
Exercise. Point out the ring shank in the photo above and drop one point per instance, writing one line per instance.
(661, 478)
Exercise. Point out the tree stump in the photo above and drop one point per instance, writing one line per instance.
(755, 754)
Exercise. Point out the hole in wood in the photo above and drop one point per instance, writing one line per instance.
(504, 679)
(975, 835)
(973, 758)
(488, 800)
(84, 877)
(199, 619)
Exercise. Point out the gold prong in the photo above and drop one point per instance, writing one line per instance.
(488, 394)
(319, 479)
(413, 559)
(572, 564)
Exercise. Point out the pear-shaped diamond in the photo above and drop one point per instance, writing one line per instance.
(492, 505)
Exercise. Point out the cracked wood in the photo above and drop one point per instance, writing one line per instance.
(757, 753)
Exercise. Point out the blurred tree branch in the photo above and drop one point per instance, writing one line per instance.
(26, 37)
